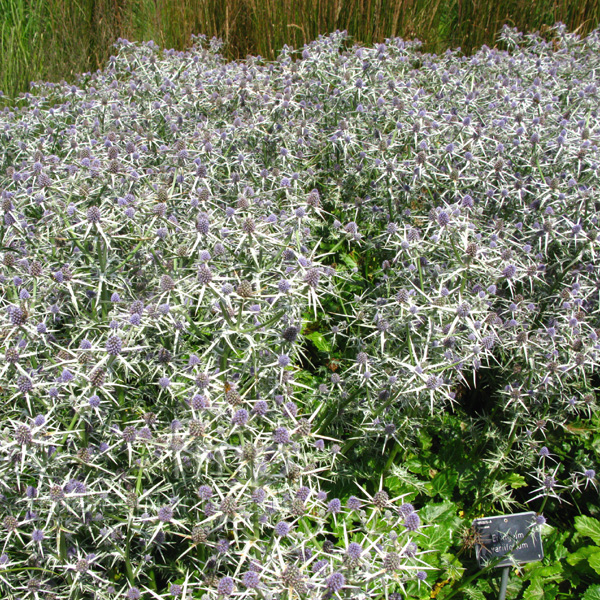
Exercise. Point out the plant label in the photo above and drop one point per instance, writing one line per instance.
(514, 536)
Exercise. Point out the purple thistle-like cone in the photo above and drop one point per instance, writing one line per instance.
(37, 535)
(354, 550)
(260, 408)
(281, 436)
(165, 514)
(226, 586)
(290, 334)
(463, 310)
(412, 522)
(240, 417)
(509, 271)
(282, 529)
(407, 509)
(320, 565)
(434, 382)
(258, 496)
(353, 503)
(114, 345)
(312, 277)
(251, 580)
(24, 384)
(336, 582)
(443, 219)
(129, 434)
(203, 225)
(204, 274)
(303, 493)
(93, 214)
(205, 492)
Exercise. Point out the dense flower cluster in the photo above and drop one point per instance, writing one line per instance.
(161, 254)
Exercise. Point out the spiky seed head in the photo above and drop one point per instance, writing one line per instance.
(166, 283)
(381, 499)
(97, 377)
(292, 578)
(56, 493)
(129, 434)
(249, 226)
(471, 250)
(202, 225)
(313, 199)
(82, 566)
(10, 523)
(232, 396)
(199, 534)
(392, 561)
(114, 345)
(204, 274)
(160, 209)
(244, 289)
(24, 384)
(412, 522)
(312, 277)
(290, 334)
(229, 506)
(196, 428)
(304, 427)
(23, 435)
(11, 356)
(36, 268)
(93, 214)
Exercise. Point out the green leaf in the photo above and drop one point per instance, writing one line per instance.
(555, 543)
(444, 483)
(594, 561)
(582, 554)
(540, 590)
(589, 527)
(416, 466)
(453, 567)
(434, 512)
(319, 340)
(551, 571)
(439, 538)
(515, 481)
(592, 593)
(350, 262)
(473, 593)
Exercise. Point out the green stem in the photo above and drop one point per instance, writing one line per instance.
(70, 428)
(333, 414)
(128, 568)
(420, 274)
(390, 460)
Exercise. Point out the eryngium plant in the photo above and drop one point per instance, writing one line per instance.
(471, 186)
(162, 250)
(158, 262)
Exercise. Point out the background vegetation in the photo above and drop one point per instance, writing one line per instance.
(56, 39)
